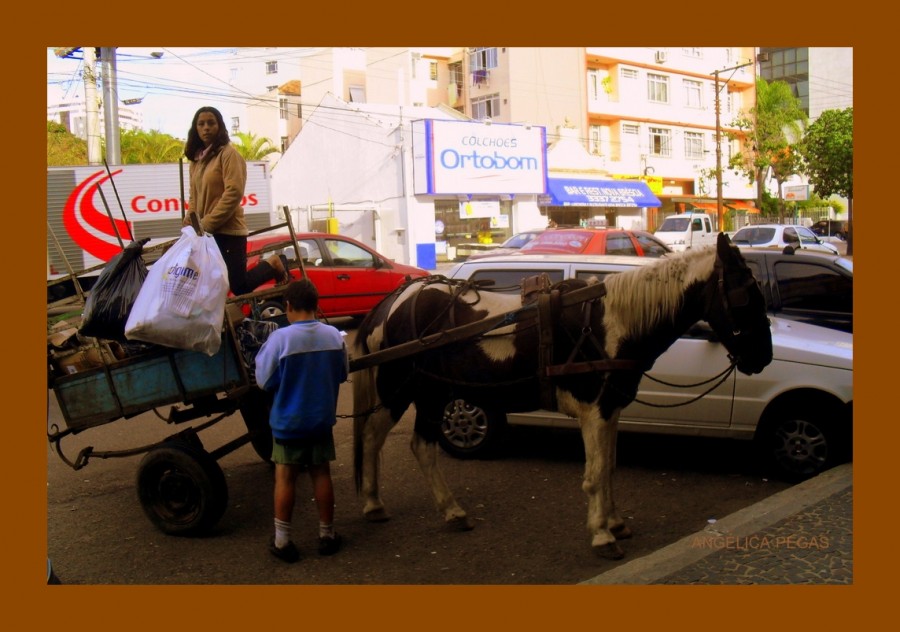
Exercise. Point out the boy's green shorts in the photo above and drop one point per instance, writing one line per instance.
(304, 452)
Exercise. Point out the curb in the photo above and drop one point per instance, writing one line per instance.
(743, 523)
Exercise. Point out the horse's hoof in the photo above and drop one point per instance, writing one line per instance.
(461, 523)
(610, 551)
(622, 532)
(377, 515)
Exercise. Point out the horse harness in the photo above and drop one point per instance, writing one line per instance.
(549, 306)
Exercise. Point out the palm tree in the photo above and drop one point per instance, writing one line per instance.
(252, 147)
(774, 125)
(140, 147)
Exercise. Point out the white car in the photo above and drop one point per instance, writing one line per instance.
(799, 410)
(781, 236)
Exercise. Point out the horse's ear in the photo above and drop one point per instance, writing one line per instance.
(723, 246)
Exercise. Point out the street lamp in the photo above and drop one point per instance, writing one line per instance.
(719, 210)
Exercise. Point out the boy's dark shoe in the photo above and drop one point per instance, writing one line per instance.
(287, 553)
(330, 546)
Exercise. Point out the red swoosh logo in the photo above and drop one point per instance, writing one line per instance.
(82, 198)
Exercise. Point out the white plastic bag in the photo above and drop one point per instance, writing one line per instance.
(182, 301)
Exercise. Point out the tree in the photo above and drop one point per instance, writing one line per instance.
(773, 126)
(63, 148)
(140, 147)
(252, 147)
(827, 150)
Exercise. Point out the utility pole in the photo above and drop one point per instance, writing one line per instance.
(719, 207)
(91, 106)
(111, 105)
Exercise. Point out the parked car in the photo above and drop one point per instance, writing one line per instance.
(798, 410)
(830, 228)
(596, 241)
(351, 277)
(513, 244)
(780, 236)
(807, 286)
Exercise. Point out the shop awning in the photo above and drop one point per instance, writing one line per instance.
(618, 193)
(709, 207)
(741, 205)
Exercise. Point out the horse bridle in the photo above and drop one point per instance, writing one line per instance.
(737, 297)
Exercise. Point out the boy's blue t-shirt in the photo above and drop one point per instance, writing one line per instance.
(304, 364)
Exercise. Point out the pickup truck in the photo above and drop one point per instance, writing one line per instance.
(687, 230)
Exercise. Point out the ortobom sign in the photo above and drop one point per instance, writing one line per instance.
(463, 157)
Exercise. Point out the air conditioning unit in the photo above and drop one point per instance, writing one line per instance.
(660, 57)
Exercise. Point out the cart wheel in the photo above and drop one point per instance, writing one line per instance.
(182, 489)
(255, 407)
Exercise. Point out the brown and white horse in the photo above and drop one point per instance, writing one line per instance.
(590, 357)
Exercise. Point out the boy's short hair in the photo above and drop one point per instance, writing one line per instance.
(302, 295)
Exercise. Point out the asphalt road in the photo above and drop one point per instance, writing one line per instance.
(528, 508)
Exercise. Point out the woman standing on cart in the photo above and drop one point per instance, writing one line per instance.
(218, 174)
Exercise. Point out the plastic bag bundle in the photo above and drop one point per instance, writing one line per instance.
(109, 303)
(182, 301)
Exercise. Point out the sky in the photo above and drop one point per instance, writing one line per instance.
(172, 86)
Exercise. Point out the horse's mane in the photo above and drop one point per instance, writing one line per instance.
(651, 294)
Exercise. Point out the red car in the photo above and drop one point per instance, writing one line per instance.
(351, 277)
(596, 241)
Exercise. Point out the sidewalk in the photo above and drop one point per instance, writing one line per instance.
(802, 535)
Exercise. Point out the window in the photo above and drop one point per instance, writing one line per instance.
(630, 128)
(594, 143)
(629, 73)
(456, 73)
(345, 254)
(693, 93)
(657, 88)
(283, 109)
(482, 58)
(433, 71)
(235, 124)
(357, 94)
(271, 88)
(660, 142)
(284, 144)
(486, 107)
(804, 286)
(619, 243)
(271, 67)
(651, 246)
(593, 80)
(693, 145)
(697, 53)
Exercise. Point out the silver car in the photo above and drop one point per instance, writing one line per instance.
(782, 236)
(798, 410)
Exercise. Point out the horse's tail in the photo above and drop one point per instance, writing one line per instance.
(363, 404)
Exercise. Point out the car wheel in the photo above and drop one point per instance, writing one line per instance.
(270, 309)
(799, 445)
(469, 431)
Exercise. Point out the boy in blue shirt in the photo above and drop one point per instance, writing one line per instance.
(304, 365)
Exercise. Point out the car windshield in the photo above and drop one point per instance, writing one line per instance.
(573, 241)
(519, 240)
(674, 225)
(754, 235)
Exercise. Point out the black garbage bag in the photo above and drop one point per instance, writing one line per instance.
(109, 303)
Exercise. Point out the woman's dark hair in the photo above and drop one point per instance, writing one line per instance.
(194, 145)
